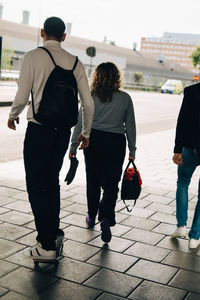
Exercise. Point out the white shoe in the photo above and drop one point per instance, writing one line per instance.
(193, 243)
(39, 254)
(180, 232)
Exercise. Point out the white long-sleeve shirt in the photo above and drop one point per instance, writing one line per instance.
(35, 70)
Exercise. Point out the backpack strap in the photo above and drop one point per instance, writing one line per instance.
(49, 55)
(75, 64)
(32, 99)
(32, 102)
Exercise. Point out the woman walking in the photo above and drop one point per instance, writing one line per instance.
(113, 122)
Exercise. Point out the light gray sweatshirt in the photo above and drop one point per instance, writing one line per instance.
(116, 116)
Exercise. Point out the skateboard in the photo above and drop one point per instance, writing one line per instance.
(59, 248)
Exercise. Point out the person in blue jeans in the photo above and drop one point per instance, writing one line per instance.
(187, 158)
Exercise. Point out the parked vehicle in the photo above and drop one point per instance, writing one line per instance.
(172, 86)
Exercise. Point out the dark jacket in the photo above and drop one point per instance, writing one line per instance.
(187, 128)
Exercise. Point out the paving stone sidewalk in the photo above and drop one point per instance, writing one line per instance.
(141, 262)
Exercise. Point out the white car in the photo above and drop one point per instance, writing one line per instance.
(172, 86)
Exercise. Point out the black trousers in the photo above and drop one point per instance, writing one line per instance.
(44, 150)
(104, 159)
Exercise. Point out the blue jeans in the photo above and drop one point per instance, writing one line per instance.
(185, 171)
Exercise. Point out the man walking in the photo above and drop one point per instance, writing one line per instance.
(187, 159)
(46, 145)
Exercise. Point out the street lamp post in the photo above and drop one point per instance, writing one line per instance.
(39, 19)
(91, 52)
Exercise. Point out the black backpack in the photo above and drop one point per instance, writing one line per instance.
(59, 103)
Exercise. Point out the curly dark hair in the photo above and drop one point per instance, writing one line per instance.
(105, 81)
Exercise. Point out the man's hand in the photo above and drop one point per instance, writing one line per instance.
(71, 155)
(177, 159)
(11, 123)
(83, 142)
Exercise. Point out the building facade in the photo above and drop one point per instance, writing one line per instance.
(175, 47)
(133, 64)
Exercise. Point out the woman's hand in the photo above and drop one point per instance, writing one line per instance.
(83, 142)
(131, 158)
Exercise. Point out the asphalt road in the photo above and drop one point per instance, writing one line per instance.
(7, 91)
(154, 112)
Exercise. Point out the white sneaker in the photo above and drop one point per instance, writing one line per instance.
(39, 254)
(193, 243)
(180, 232)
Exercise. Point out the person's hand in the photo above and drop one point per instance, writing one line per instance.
(131, 158)
(11, 123)
(177, 158)
(83, 142)
(71, 155)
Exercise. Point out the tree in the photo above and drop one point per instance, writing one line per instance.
(195, 55)
(138, 77)
(7, 55)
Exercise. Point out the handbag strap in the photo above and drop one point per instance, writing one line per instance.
(127, 206)
(134, 166)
